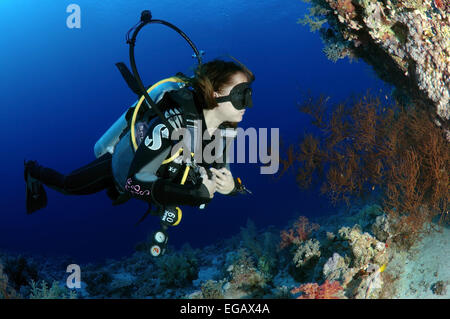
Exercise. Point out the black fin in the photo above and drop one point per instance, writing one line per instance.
(148, 212)
(36, 197)
(129, 78)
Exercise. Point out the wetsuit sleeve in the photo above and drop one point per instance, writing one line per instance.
(144, 184)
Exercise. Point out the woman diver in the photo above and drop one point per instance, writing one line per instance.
(220, 91)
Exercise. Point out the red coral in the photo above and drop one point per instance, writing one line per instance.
(343, 7)
(439, 4)
(327, 290)
(300, 232)
(396, 150)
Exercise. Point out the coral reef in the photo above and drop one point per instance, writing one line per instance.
(261, 247)
(349, 255)
(20, 271)
(335, 268)
(395, 154)
(407, 42)
(6, 291)
(212, 289)
(41, 290)
(367, 258)
(364, 247)
(306, 252)
(249, 270)
(245, 279)
(344, 259)
(178, 269)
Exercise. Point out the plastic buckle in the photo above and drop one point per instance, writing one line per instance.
(241, 188)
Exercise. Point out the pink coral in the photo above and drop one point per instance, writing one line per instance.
(300, 232)
(327, 290)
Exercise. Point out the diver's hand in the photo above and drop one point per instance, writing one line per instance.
(210, 184)
(224, 180)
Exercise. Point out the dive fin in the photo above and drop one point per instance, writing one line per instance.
(36, 197)
(129, 78)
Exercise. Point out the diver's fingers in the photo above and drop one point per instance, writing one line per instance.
(222, 171)
(225, 171)
(215, 170)
(220, 182)
(202, 171)
(220, 174)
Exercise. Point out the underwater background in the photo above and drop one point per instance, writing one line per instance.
(60, 91)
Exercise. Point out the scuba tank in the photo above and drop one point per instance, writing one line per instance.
(111, 137)
(108, 141)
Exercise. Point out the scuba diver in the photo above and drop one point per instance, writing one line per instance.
(138, 156)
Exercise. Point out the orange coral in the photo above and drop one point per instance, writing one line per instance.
(300, 232)
(327, 290)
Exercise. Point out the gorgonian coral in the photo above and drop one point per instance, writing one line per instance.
(394, 152)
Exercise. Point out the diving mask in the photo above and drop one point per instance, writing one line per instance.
(240, 96)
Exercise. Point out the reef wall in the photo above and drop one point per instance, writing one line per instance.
(407, 42)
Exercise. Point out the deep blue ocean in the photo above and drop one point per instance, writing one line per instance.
(60, 91)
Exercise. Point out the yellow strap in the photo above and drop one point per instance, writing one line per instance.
(173, 157)
(136, 110)
(186, 172)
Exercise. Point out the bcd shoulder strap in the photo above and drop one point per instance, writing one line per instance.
(184, 98)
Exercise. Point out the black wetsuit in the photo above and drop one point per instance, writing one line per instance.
(98, 175)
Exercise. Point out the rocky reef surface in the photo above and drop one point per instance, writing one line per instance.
(350, 256)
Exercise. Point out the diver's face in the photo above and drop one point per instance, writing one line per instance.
(226, 110)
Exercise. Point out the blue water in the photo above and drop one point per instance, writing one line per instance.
(60, 91)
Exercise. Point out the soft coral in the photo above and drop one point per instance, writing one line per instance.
(327, 290)
(300, 232)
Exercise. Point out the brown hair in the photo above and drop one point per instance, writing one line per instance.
(213, 76)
